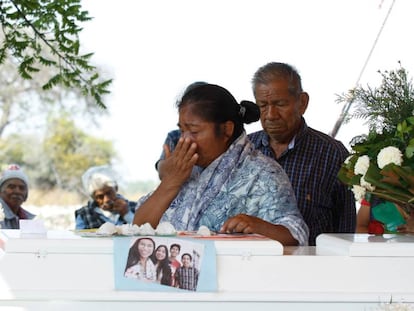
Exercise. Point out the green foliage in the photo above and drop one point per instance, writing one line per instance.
(59, 160)
(12, 149)
(72, 151)
(42, 34)
(386, 106)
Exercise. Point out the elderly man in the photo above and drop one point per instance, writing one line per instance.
(310, 158)
(14, 191)
(106, 205)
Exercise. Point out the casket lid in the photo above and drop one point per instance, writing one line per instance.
(394, 245)
(61, 241)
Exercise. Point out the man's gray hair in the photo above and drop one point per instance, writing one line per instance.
(97, 178)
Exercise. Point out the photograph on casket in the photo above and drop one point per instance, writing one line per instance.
(164, 264)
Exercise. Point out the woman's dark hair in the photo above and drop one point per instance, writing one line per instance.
(133, 254)
(163, 266)
(189, 88)
(215, 104)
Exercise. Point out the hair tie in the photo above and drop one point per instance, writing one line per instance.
(242, 111)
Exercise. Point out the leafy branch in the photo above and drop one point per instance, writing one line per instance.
(45, 33)
(386, 106)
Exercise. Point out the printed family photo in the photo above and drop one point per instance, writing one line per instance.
(165, 261)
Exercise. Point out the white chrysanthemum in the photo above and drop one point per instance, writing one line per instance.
(389, 155)
(366, 184)
(361, 165)
(359, 192)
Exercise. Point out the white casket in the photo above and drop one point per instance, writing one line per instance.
(64, 271)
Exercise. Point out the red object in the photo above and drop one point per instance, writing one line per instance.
(375, 227)
(365, 203)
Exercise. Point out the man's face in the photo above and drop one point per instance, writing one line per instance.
(174, 251)
(14, 192)
(105, 197)
(186, 260)
(280, 111)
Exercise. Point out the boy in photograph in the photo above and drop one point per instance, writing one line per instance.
(186, 277)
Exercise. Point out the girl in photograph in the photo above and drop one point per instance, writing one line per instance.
(162, 265)
(139, 264)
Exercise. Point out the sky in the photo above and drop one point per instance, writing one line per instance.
(154, 48)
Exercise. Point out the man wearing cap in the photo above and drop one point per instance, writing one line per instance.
(106, 205)
(14, 191)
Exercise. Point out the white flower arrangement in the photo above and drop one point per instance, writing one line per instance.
(383, 165)
(389, 155)
(389, 144)
(360, 168)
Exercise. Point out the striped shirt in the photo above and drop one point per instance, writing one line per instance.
(312, 163)
(187, 278)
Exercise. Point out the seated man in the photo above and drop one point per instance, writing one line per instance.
(13, 192)
(106, 205)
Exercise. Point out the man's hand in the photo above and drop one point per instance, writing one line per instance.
(118, 206)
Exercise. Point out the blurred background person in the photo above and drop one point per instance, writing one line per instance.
(14, 190)
(106, 204)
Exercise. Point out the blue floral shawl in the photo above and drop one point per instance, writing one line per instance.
(241, 181)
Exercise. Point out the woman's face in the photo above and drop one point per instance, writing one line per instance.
(210, 144)
(160, 254)
(145, 248)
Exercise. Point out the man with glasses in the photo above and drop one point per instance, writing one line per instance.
(105, 204)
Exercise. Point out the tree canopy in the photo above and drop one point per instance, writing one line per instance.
(47, 84)
(42, 34)
(58, 159)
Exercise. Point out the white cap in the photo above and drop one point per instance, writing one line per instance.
(98, 177)
(13, 171)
